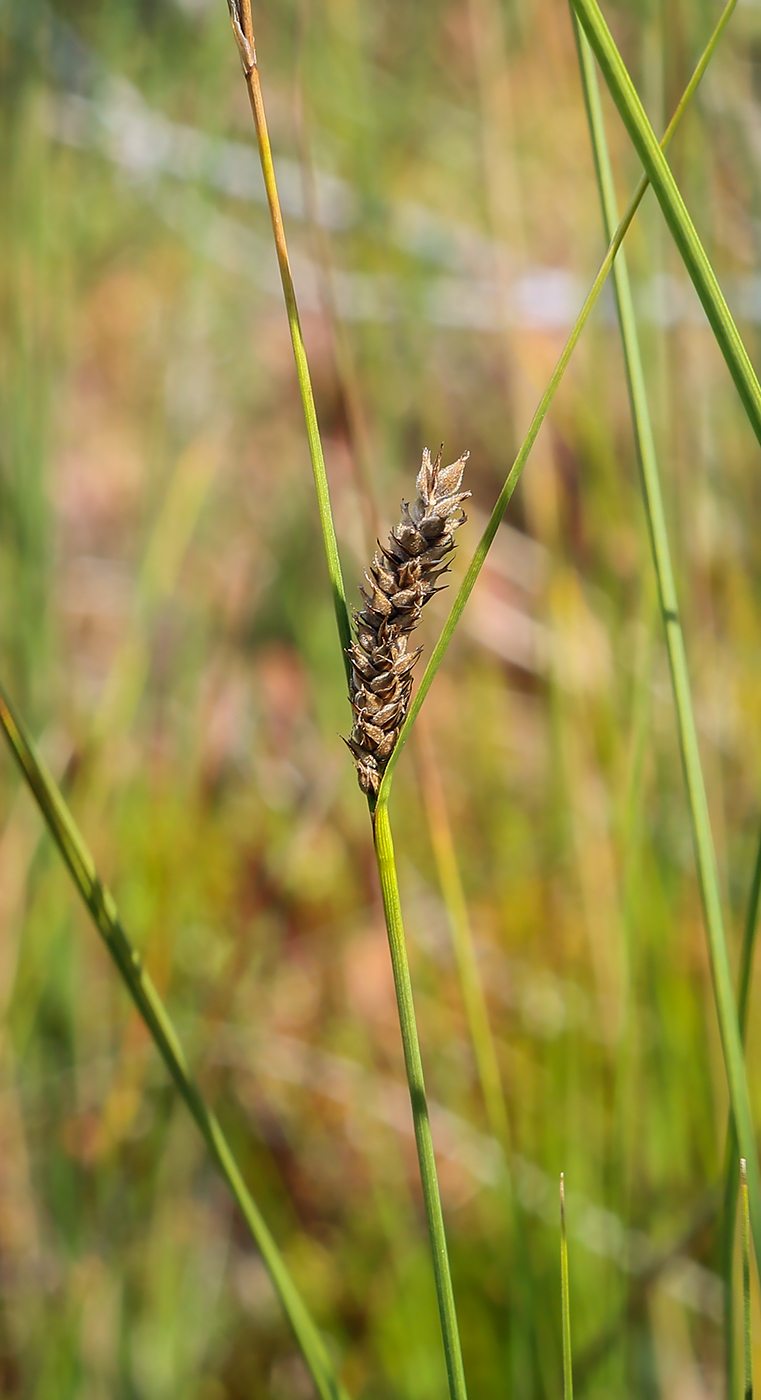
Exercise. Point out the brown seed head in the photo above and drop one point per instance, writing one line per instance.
(400, 581)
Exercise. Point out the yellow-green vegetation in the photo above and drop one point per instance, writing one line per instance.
(167, 631)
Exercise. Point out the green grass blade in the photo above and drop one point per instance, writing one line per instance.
(669, 605)
(503, 500)
(701, 826)
(240, 15)
(105, 916)
(414, 1066)
(565, 1299)
(674, 210)
(747, 1332)
(731, 1173)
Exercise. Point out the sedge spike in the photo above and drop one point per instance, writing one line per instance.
(402, 578)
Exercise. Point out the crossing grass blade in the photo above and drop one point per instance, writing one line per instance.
(683, 230)
(105, 916)
(505, 495)
(565, 1299)
(687, 240)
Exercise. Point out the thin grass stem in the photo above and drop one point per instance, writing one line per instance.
(747, 1331)
(243, 29)
(565, 1299)
(701, 825)
(414, 1067)
(242, 23)
(105, 916)
(731, 1174)
(503, 500)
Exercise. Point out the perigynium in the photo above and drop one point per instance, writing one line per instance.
(402, 578)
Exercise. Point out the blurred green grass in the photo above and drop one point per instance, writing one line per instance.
(150, 412)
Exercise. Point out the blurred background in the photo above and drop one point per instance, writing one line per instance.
(166, 628)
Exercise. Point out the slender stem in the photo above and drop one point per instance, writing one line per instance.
(503, 500)
(565, 1299)
(384, 848)
(240, 15)
(688, 739)
(747, 1333)
(105, 916)
(731, 1175)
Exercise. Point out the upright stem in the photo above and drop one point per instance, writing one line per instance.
(242, 22)
(384, 849)
(731, 1174)
(747, 1331)
(705, 855)
(565, 1299)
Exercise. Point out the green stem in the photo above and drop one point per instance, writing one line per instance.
(503, 500)
(565, 1299)
(384, 848)
(688, 739)
(240, 15)
(731, 1173)
(747, 1329)
(705, 854)
(105, 916)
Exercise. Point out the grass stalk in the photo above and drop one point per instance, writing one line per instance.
(242, 23)
(565, 1299)
(731, 1173)
(688, 739)
(384, 848)
(243, 29)
(747, 1331)
(505, 495)
(105, 916)
(683, 230)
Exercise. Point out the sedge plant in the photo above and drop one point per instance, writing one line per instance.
(738, 362)
(100, 903)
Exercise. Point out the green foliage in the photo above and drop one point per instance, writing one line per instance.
(192, 717)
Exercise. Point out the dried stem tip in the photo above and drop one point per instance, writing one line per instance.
(402, 578)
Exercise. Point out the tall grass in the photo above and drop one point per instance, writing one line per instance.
(291, 879)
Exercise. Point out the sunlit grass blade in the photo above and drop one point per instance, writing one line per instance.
(675, 212)
(105, 916)
(565, 1299)
(688, 739)
(243, 29)
(505, 495)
